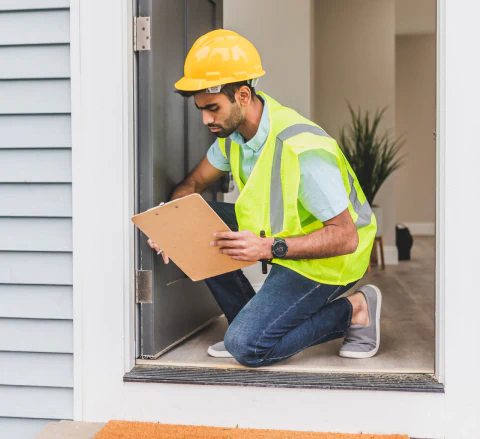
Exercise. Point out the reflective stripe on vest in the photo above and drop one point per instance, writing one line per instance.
(276, 197)
(363, 211)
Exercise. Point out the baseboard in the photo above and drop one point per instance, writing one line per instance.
(421, 229)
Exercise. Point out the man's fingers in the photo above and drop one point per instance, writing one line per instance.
(165, 258)
(232, 252)
(153, 245)
(228, 243)
(243, 258)
(228, 235)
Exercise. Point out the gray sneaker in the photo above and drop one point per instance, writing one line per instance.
(363, 341)
(218, 350)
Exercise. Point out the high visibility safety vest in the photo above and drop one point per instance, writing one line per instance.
(268, 200)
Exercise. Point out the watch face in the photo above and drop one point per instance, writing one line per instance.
(280, 248)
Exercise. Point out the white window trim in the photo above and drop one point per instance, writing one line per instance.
(103, 242)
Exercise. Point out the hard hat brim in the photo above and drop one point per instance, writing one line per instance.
(194, 84)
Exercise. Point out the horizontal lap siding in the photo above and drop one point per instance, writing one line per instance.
(15, 5)
(36, 369)
(36, 402)
(34, 27)
(34, 62)
(45, 200)
(34, 96)
(35, 165)
(35, 131)
(38, 268)
(21, 428)
(36, 234)
(36, 303)
(33, 335)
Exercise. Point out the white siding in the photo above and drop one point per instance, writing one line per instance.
(47, 200)
(36, 369)
(21, 428)
(34, 27)
(36, 165)
(36, 326)
(33, 62)
(36, 301)
(36, 234)
(34, 96)
(15, 5)
(34, 335)
(35, 131)
(36, 402)
(47, 268)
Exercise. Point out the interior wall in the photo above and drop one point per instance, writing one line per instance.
(284, 44)
(415, 16)
(285, 47)
(354, 56)
(415, 116)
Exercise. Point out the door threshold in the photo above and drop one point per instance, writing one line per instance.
(284, 368)
(254, 377)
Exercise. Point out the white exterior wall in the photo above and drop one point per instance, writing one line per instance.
(36, 311)
(103, 286)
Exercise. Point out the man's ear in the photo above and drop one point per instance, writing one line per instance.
(245, 96)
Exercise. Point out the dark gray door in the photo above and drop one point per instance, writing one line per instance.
(171, 140)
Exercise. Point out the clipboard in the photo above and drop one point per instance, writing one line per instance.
(183, 229)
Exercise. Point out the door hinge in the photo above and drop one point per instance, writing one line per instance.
(141, 33)
(143, 286)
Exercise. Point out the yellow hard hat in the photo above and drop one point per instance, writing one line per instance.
(219, 57)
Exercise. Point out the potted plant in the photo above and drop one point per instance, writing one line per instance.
(372, 156)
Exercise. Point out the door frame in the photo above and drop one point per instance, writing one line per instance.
(439, 366)
(440, 196)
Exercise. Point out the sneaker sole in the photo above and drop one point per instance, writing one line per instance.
(353, 354)
(219, 354)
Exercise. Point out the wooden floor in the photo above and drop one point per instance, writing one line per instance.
(407, 327)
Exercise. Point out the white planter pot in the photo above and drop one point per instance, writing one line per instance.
(378, 212)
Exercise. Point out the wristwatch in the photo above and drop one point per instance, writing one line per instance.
(279, 248)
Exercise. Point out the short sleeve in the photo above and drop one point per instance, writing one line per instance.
(216, 157)
(321, 191)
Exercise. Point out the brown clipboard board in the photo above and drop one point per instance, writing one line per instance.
(183, 229)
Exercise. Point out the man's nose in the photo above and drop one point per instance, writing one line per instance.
(207, 118)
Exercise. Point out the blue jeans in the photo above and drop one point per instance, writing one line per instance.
(288, 314)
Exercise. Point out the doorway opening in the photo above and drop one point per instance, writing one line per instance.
(329, 53)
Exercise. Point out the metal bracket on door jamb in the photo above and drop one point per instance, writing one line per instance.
(141, 33)
(143, 286)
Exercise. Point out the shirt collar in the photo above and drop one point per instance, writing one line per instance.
(260, 137)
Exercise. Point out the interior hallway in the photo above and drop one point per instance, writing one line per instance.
(407, 326)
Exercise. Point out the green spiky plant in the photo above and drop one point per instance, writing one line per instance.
(372, 156)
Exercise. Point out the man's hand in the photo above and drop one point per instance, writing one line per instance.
(157, 249)
(243, 246)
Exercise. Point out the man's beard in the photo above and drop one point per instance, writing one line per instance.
(230, 125)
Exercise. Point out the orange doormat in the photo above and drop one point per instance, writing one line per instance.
(150, 430)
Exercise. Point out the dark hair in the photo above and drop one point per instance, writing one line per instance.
(228, 90)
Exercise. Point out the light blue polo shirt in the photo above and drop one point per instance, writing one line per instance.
(321, 192)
